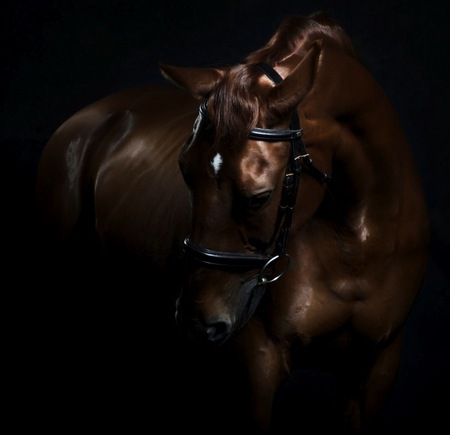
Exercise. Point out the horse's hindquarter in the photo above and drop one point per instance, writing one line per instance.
(116, 161)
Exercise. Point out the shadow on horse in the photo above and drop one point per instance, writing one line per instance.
(238, 249)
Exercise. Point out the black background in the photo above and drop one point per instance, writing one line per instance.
(58, 56)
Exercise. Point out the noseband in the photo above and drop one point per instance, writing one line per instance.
(298, 158)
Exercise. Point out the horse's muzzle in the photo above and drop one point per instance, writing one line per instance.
(216, 331)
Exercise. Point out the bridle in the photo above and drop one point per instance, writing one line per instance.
(298, 159)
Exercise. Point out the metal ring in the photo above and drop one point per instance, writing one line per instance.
(263, 280)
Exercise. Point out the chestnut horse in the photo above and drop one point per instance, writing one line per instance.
(276, 200)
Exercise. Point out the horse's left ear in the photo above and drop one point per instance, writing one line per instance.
(288, 94)
(197, 81)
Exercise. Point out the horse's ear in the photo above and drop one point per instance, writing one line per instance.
(288, 94)
(198, 81)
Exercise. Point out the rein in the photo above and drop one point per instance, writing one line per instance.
(298, 159)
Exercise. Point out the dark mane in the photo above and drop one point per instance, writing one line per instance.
(234, 107)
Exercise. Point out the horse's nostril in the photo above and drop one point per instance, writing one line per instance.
(218, 330)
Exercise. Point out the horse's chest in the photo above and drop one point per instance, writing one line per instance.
(320, 327)
(308, 312)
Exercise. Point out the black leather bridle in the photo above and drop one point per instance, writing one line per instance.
(298, 159)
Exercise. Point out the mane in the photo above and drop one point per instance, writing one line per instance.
(296, 34)
(236, 109)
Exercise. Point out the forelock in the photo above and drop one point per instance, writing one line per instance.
(235, 108)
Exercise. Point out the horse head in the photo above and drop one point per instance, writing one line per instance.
(242, 165)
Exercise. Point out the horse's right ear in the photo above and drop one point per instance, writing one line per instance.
(197, 81)
(288, 94)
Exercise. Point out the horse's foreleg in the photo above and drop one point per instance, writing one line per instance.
(379, 384)
(367, 394)
(265, 371)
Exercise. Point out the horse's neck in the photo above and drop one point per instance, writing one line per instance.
(374, 177)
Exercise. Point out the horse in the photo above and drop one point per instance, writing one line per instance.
(275, 203)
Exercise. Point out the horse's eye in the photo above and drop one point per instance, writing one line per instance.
(258, 202)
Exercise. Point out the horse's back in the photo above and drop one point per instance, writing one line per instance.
(112, 169)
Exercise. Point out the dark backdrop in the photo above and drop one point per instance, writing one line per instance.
(60, 55)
